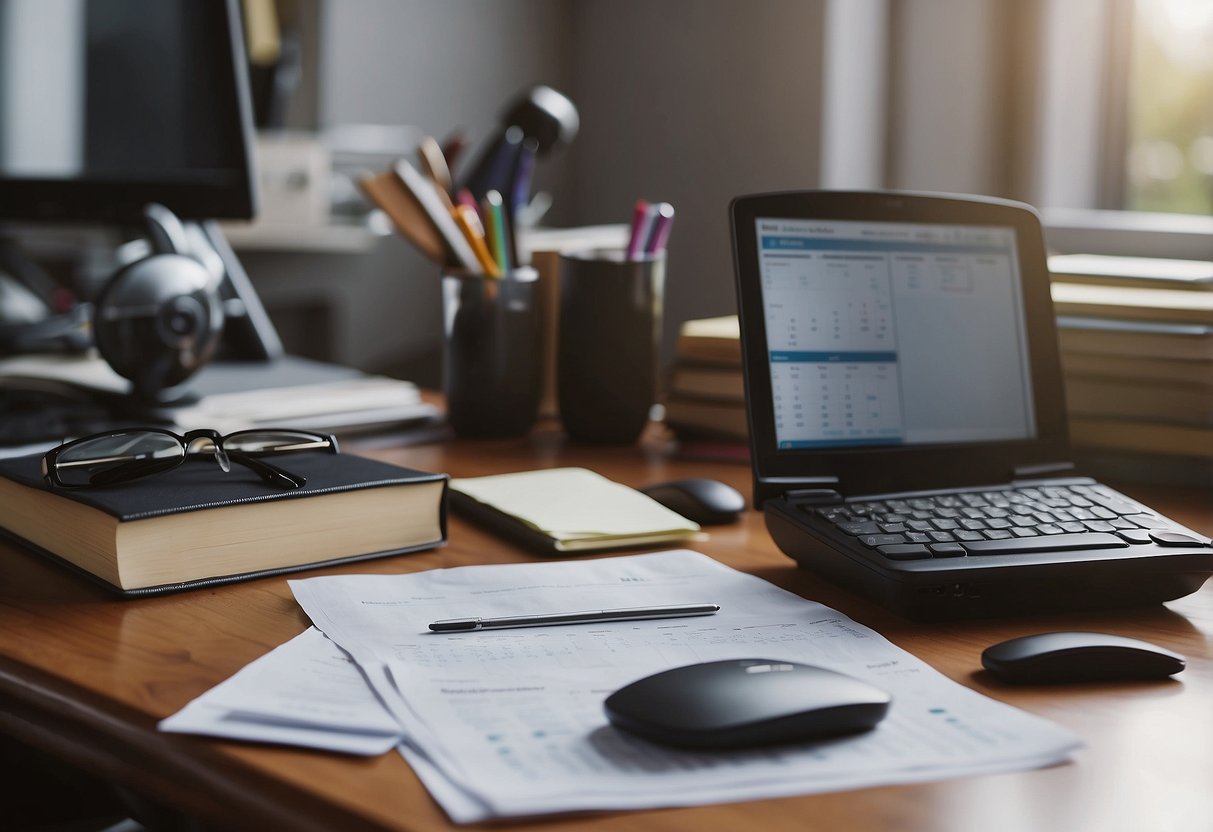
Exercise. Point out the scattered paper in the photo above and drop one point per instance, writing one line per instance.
(307, 692)
(510, 722)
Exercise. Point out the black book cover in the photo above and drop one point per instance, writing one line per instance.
(199, 484)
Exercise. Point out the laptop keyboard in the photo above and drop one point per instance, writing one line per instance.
(1001, 521)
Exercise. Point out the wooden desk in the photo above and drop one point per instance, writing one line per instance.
(86, 678)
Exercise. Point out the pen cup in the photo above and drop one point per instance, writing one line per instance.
(491, 362)
(608, 340)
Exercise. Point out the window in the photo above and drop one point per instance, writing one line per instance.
(1169, 158)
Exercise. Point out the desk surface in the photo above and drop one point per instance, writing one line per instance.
(86, 678)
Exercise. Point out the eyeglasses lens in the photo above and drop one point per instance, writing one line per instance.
(82, 463)
(273, 442)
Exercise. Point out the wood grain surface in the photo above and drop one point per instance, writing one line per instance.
(86, 677)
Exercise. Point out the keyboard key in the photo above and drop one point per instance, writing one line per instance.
(1048, 543)
(857, 529)
(945, 524)
(904, 551)
(1135, 535)
(923, 537)
(920, 525)
(1169, 538)
(968, 535)
(875, 540)
(892, 528)
(1072, 526)
(1049, 528)
(1024, 531)
(1145, 521)
(941, 537)
(947, 550)
(996, 534)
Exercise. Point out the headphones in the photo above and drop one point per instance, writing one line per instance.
(159, 319)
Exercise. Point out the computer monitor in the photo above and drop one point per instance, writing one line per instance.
(108, 105)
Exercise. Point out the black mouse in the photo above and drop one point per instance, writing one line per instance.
(1079, 657)
(707, 502)
(745, 702)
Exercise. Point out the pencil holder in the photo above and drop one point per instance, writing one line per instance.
(608, 340)
(492, 352)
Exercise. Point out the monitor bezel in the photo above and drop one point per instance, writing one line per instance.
(899, 468)
(123, 201)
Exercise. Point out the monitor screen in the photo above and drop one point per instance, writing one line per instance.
(892, 334)
(106, 105)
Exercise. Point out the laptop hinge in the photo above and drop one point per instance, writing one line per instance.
(814, 496)
(810, 489)
(1040, 469)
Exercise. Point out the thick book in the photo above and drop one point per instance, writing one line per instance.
(724, 384)
(1181, 404)
(1143, 339)
(1146, 272)
(707, 419)
(1140, 436)
(196, 525)
(711, 341)
(1133, 302)
(1121, 368)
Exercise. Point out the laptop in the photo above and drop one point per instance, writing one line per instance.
(907, 416)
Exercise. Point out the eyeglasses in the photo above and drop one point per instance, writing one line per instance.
(125, 455)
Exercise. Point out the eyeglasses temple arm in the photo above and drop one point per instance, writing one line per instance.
(272, 474)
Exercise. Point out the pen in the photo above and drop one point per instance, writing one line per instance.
(469, 223)
(494, 225)
(467, 625)
(635, 240)
(661, 228)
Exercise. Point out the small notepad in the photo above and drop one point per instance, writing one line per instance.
(564, 510)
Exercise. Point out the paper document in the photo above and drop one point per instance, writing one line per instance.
(307, 692)
(511, 722)
(576, 507)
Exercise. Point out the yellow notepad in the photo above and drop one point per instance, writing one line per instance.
(562, 510)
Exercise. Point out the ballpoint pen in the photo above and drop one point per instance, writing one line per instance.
(466, 625)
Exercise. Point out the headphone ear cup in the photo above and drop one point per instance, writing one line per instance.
(158, 321)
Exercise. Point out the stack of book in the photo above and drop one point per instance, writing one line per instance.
(706, 392)
(1136, 340)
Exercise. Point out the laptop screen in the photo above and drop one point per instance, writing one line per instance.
(894, 334)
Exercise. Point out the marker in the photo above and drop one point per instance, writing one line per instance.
(467, 625)
(520, 192)
(661, 228)
(643, 216)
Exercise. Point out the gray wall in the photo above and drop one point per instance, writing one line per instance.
(438, 66)
(694, 102)
(688, 101)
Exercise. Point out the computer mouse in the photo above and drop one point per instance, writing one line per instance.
(1049, 658)
(740, 703)
(707, 502)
